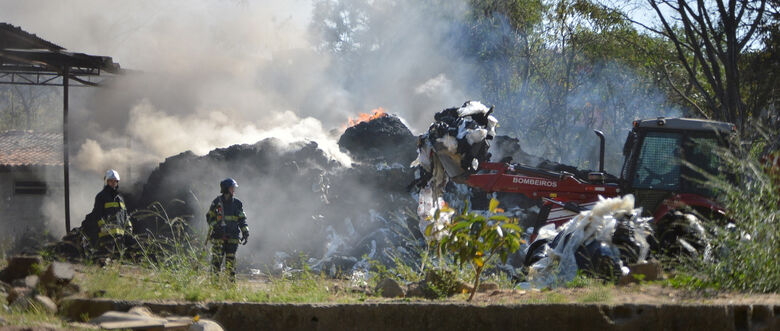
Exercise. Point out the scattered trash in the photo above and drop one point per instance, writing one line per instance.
(601, 241)
(455, 144)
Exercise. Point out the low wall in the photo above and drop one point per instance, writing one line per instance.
(443, 316)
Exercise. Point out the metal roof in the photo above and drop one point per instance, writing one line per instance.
(30, 148)
(13, 37)
(27, 59)
(693, 124)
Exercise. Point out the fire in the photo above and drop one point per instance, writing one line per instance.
(363, 117)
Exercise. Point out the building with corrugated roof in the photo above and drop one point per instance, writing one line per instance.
(30, 180)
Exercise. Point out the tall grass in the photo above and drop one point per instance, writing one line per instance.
(745, 254)
(176, 266)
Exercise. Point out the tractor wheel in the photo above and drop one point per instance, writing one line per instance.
(681, 234)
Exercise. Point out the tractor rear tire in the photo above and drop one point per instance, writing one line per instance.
(682, 234)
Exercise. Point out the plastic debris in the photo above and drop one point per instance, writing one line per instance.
(601, 242)
(455, 144)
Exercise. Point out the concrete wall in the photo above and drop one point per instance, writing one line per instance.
(28, 212)
(449, 317)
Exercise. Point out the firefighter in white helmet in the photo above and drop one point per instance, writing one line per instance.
(111, 217)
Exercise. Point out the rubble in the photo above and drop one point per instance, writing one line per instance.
(141, 318)
(58, 274)
(19, 266)
(642, 272)
(389, 288)
(17, 293)
(601, 241)
(205, 325)
(46, 303)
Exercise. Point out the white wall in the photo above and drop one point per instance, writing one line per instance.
(27, 212)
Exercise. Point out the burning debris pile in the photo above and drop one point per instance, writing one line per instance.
(381, 138)
(298, 200)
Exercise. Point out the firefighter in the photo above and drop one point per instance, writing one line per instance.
(111, 218)
(226, 219)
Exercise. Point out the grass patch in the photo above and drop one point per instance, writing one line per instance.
(597, 294)
(34, 317)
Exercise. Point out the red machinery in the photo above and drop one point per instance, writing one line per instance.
(658, 154)
(563, 194)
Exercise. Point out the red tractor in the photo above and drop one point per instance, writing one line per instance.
(658, 154)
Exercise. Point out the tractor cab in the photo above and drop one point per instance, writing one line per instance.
(663, 162)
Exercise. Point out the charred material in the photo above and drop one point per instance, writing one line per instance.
(384, 138)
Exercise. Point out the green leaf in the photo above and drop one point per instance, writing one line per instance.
(510, 226)
(428, 230)
(459, 226)
(500, 218)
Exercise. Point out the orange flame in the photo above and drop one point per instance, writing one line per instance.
(363, 117)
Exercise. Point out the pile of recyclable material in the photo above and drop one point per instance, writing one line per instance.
(601, 242)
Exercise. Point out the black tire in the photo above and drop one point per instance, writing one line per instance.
(681, 234)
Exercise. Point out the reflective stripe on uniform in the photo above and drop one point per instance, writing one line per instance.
(114, 205)
(113, 231)
(232, 241)
(101, 222)
(231, 218)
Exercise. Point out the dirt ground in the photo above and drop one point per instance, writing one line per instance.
(632, 294)
(655, 293)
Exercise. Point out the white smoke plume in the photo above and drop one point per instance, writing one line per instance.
(208, 74)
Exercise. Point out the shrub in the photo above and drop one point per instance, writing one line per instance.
(475, 239)
(745, 253)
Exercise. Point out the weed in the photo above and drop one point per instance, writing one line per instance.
(475, 239)
(744, 255)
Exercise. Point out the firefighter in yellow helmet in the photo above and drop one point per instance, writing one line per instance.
(113, 222)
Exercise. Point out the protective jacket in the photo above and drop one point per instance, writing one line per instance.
(226, 219)
(110, 213)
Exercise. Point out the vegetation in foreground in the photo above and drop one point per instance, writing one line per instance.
(744, 256)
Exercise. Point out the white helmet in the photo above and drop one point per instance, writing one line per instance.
(111, 174)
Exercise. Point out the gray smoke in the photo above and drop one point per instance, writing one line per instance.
(208, 74)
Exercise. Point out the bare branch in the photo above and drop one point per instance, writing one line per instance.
(711, 68)
(741, 44)
(682, 95)
(681, 55)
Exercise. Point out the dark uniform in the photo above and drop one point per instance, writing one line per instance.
(226, 220)
(110, 216)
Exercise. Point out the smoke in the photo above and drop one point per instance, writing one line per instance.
(209, 74)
